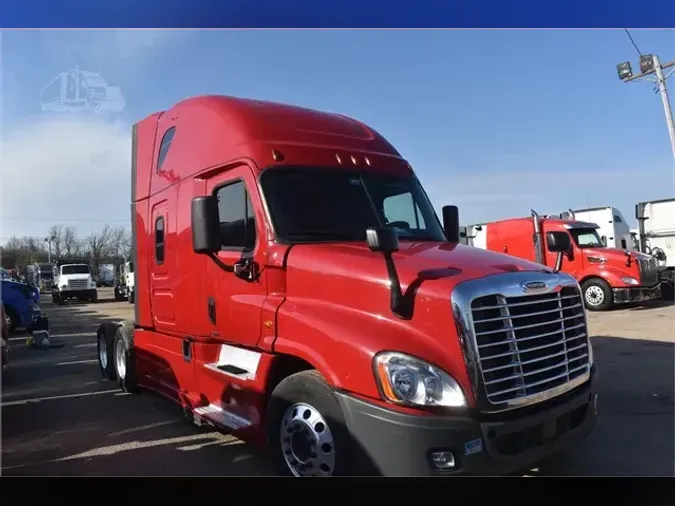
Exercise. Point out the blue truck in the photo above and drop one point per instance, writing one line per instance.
(21, 304)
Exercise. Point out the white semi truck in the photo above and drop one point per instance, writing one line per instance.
(126, 284)
(613, 227)
(74, 281)
(656, 236)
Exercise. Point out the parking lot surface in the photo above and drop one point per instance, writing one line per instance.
(59, 417)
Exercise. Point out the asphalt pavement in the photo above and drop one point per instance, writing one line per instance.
(59, 417)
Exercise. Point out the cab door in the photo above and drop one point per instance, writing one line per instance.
(234, 300)
(572, 262)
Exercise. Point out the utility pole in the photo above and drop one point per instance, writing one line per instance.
(49, 240)
(650, 64)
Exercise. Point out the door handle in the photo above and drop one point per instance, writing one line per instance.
(212, 310)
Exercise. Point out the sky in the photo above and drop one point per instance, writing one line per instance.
(495, 121)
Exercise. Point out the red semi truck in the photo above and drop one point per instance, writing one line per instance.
(607, 276)
(294, 287)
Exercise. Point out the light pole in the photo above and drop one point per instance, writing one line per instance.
(49, 240)
(650, 64)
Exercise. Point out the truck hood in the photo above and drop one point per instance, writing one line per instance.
(337, 303)
(65, 277)
(356, 261)
(613, 255)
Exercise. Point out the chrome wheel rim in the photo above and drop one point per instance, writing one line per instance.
(307, 443)
(120, 360)
(594, 295)
(102, 352)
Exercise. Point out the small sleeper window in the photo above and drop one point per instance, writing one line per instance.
(164, 146)
(159, 240)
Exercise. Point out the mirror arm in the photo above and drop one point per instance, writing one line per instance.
(396, 297)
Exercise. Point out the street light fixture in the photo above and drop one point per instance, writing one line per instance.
(651, 69)
(646, 63)
(624, 70)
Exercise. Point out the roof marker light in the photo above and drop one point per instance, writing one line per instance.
(353, 160)
(277, 156)
(367, 161)
(338, 158)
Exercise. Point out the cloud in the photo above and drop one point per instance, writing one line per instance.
(75, 169)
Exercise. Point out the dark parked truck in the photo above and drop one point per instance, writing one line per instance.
(294, 287)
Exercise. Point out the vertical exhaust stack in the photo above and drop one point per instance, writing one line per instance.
(538, 238)
(640, 217)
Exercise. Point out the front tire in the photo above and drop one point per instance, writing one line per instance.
(131, 297)
(597, 294)
(306, 428)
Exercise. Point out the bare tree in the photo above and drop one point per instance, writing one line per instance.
(98, 243)
(120, 242)
(55, 236)
(70, 242)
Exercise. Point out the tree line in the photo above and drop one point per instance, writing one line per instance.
(61, 243)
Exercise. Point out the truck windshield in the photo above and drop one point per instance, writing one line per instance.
(586, 238)
(325, 205)
(75, 269)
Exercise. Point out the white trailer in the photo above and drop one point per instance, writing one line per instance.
(656, 234)
(612, 226)
(474, 235)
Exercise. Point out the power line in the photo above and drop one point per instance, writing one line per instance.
(632, 41)
(17, 218)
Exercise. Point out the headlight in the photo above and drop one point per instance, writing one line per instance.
(596, 260)
(407, 380)
(630, 281)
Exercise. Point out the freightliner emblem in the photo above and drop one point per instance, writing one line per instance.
(534, 286)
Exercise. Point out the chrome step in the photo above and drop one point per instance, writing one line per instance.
(216, 414)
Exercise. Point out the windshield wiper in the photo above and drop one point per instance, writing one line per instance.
(339, 235)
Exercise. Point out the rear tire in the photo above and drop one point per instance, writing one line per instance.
(131, 297)
(597, 294)
(94, 297)
(125, 363)
(11, 319)
(306, 428)
(105, 348)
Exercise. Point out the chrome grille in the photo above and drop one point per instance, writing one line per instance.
(649, 275)
(527, 345)
(77, 283)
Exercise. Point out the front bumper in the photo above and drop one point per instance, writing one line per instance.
(395, 444)
(637, 294)
(76, 294)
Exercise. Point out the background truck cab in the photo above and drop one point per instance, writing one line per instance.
(656, 237)
(612, 226)
(607, 276)
(74, 281)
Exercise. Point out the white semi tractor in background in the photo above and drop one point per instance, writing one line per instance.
(656, 236)
(124, 289)
(613, 227)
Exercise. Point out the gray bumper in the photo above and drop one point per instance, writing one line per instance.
(637, 294)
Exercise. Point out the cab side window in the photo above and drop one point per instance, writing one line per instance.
(237, 221)
(164, 146)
